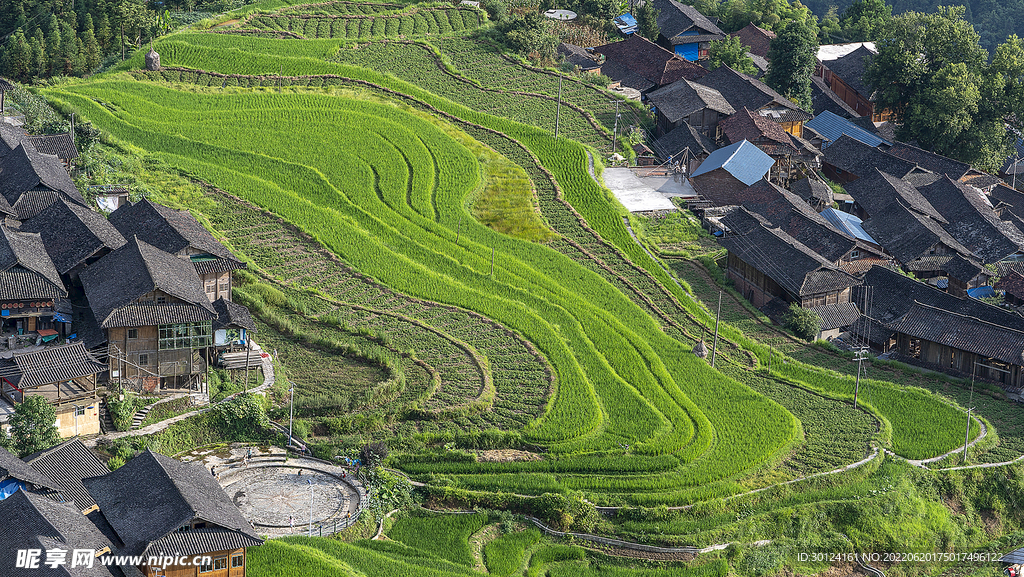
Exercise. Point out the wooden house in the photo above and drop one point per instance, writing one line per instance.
(644, 66)
(1012, 286)
(766, 263)
(33, 181)
(65, 376)
(686, 102)
(847, 158)
(971, 220)
(729, 171)
(684, 30)
(156, 318)
(792, 155)
(66, 464)
(74, 236)
(32, 295)
(579, 57)
(195, 517)
(684, 146)
(179, 233)
(744, 91)
(757, 39)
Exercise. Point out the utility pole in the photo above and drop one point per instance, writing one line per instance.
(856, 389)
(615, 131)
(558, 111)
(310, 481)
(967, 435)
(291, 415)
(718, 317)
(492, 261)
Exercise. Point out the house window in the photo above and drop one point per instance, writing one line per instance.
(161, 300)
(185, 336)
(206, 566)
(143, 359)
(854, 254)
(79, 411)
(236, 561)
(220, 563)
(133, 334)
(211, 287)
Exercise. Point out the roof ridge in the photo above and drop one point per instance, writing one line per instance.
(962, 315)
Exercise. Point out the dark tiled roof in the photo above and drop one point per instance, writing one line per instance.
(647, 60)
(10, 138)
(963, 332)
(747, 125)
(150, 314)
(851, 69)
(980, 179)
(796, 268)
(578, 56)
(5, 85)
(759, 62)
(67, 464)
(117, 280)
(854, 156)
(13, 467)
(36, 522)
(675, 18)
(1012, 283)
(26, 170)
(818, 235)
(26, 271)
(217, 265)
(770, 201)
(756, 38)
(52, 365)
(962, 269)
(199, 541)
(682, 137)
(73, 233)
(682, 98)
(167, 229)
(837, 315)
(822, 99)
(232, 314)
(879, 190)
(929, 160)
(1012, 200)
(625, 76)
(60, 145)
(813, 191)
(171, 493)
(972, 222)
(742, 90)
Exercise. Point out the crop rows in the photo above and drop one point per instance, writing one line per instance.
(342, 7)
(419, 22)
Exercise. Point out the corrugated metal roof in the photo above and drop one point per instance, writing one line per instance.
(831, 127)
(743, 160)
(1015, 556)
(847, 223)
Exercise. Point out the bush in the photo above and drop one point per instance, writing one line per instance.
(115, 463)
(373, 454)
(804, 323)
(122, 411)
(243, 414)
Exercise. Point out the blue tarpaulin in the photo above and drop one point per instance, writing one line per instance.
(9, 487)
(626, 23)
(61, 318)
(981, 292)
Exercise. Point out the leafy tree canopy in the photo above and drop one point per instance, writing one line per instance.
(791, 61)
(32, 427)
(732, 53)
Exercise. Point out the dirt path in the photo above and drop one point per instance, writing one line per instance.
(479, 540)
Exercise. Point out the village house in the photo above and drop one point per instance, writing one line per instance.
(765, 263)
(74, 236)
(971, 220)
(824, 100)
(65, 465)
(1012, 287)
(33, 181)
(686, 102)
(684, 30)
(793, 156)
(757, 39)
(817, 194)
(686, 146)
(579, 57)
(644, 66)
(16, 475)
(830, 128)
(64, 375)
(156, 317)
(179, 233)
(32, 295)
(196, 517)
(959, 171)
(847, 158)
(744, 91)
(728, 171)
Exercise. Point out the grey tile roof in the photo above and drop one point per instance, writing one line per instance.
(962, 332)
(231, 314)
(822, 99)
(795, 267)
(972, 222)
(10, 138)
(762, 132)
(756, 38)
(52, 365)
(73, 233)
(813, 191)
(962, 269)
(742, 90)
(682, 98)
(26, 270)
(217, 265)
(837, 315)
(1012, 201)
(682, 137)
(851, 69)
(929, 160)
(201, 541)
(625, 76)
(854, 156)
(26, 170)
(67, 464)
(648, 61)
(578, 56)
(60, 145)
(36, 522)
(13, 467)
(675, 18)
(880, 189)
(118, 279)
(818, 235)
(171, 493)
(167, 229)
(150, 314)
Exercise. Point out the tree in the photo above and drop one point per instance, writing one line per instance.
(33, 426)
(529, 35)
(647, 21)
(804, 323)
(864, 20)
(791, 60)
(732, 53)
(373, 454)
(829, 30)
(932, 73)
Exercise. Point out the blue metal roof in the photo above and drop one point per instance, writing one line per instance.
(847, 223)
(626, 23)
(831, 127)
(743, 160)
